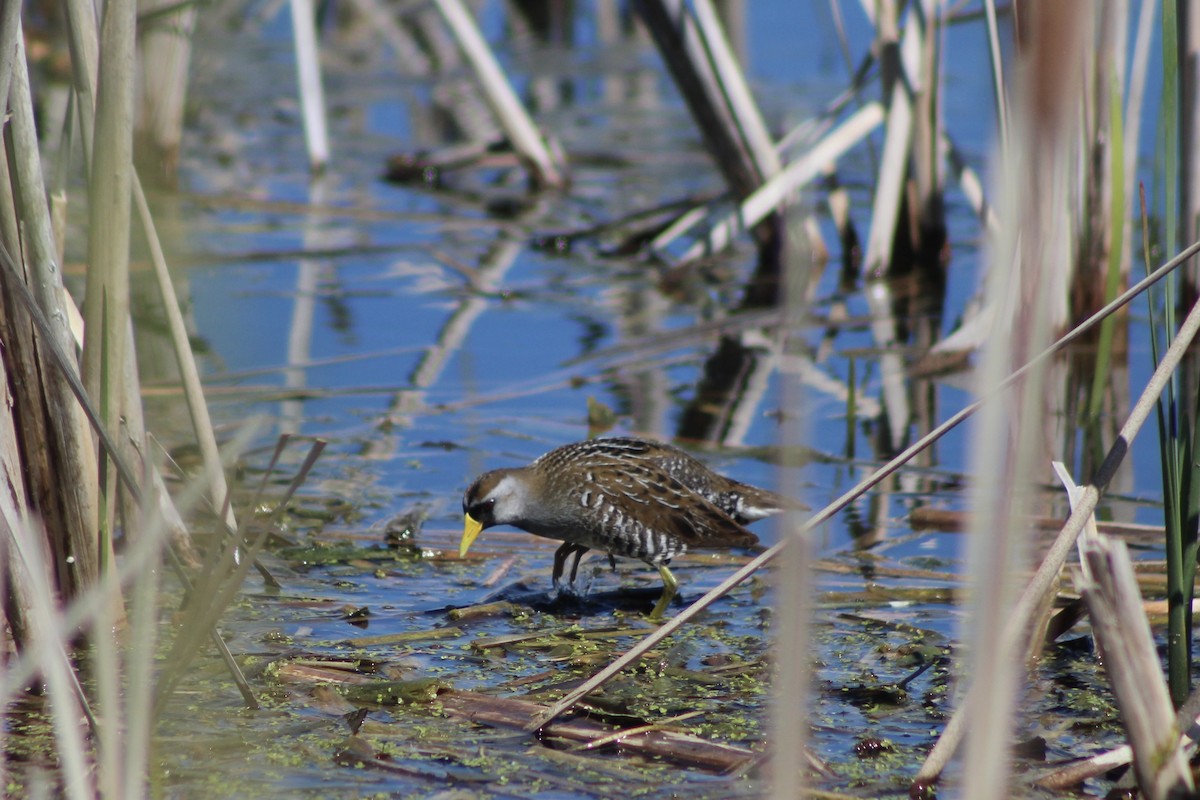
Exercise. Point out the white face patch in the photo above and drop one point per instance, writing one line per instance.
(511, 497)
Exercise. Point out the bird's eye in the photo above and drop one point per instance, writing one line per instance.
(482, 507)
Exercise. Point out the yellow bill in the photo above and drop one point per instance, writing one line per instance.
(471, 529)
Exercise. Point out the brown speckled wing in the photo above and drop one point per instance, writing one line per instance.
(741, 501)
(699, 523)
(646, 491)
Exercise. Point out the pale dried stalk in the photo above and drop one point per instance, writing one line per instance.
(1131, 662)
(189, 373)
(166, 56)
(1026, 269)
(546, 169)
(308, 74)
(1122, 633)
(900, 72)
(706, 74)
(742, 107)
(767, 198)
(67, 701)
(73, 481)
(82, 36)
(106, 304)
(1013, 635)
(16, 596)
(17, 388)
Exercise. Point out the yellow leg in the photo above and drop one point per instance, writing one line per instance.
(670, 589)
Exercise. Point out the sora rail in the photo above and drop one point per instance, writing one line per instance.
(625, 496)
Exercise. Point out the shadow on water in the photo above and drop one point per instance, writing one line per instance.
(416, 327)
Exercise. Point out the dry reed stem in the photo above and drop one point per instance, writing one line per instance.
(308, 76)
(67, 700)
(1019, 616)
(766, 198)
(16, 359)
(899, 77)
(224, 578)
(1025, 277)
(743, 110)
(16, 594)
(72, 492)
(83, 40)
(166, 58)
(898, 61)
(124, 748)
(189, 374)
(997, 63)
(10, 19)
(928, 129)
(106, 302)
(707, 77)
(64, 367)
(546, 170)
(1120, 627)
(1131, 662)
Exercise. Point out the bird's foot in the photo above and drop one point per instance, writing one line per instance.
(570, 590)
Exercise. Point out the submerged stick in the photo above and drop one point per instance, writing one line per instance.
(652, 741)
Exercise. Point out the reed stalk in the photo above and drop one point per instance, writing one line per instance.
(308, 76)
(1013, 633)
(1123, 636)
(106, 305)
(83, 39)
(545, 167)
(16, 359)
(165, 59)
(1178, 412)
(792, 679)
(767, 198)
(696, 53)
(69, 467)
(1026, 268)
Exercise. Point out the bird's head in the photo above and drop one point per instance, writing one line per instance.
(495, 498)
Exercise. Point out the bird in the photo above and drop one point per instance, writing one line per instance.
(625, 496)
